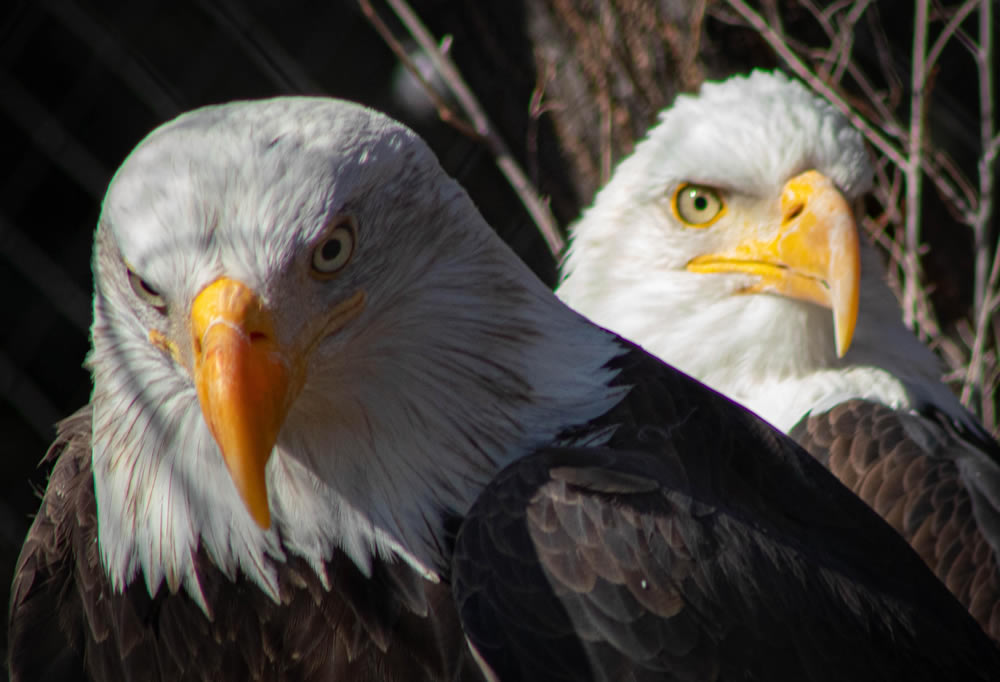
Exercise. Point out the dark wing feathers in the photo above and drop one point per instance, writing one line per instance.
(44, 643)
(697, 544)
(706, 548)
(513, 621)
(939, 490)
(66, 623)
(688, 592)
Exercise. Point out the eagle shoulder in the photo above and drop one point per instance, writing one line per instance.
(702, 543)
(936, 483)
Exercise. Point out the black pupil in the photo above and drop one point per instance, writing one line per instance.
(148, 289)
(331, 249)
(700, 203)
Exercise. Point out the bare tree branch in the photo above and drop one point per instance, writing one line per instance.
(949, 30)
(986, 278)
(776, 42)
(537, 208)
(444, 112)
(914, 166)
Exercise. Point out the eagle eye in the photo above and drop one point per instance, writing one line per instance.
(145, 291)
(697, 205)
(335, 249)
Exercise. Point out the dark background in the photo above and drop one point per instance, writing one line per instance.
(82, 82)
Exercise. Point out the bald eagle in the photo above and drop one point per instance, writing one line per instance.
(723, 243)
(339, 431)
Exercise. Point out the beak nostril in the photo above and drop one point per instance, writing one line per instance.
(257, 336)
(794, 211)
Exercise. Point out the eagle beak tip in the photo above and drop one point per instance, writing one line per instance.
(842, 346)
(845, 319)
(262, 517)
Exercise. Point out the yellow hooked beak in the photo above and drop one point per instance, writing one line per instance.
(243, 378)
(813, 256)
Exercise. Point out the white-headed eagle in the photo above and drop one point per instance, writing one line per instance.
(722, 244)
(340, 432)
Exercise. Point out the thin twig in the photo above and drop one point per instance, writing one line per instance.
(884, 52)
(984, 62)
(956, 188)
(537, 106)
(913, 166)
(949, 30)
(537, 208)
(874, 100)
(984, 315)
(444, 112)
(986, 278)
